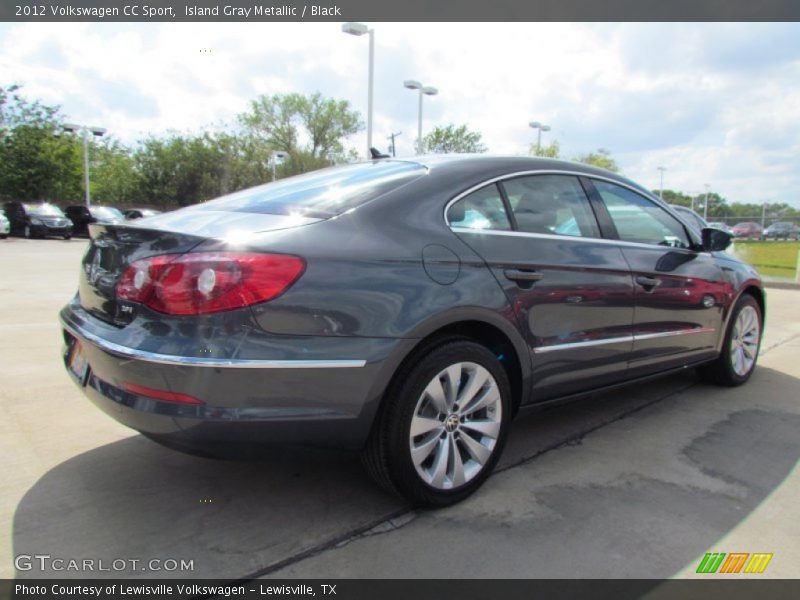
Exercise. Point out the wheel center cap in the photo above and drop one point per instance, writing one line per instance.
(451, 424)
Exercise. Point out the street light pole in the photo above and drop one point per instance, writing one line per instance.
(661, 185)
(85, 130)
(392, 137)
(705, 204)
(361, 29)
(540, 128)
(412, 84)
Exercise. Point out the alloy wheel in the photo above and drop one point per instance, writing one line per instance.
(455, 425)
(744, 341)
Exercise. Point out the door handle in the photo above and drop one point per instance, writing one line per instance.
(521, 276)
(648, 283)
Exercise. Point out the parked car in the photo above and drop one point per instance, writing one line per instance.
(140, 213)
(747, 229)
(721, 225)
(37, 220)
(82, 216)
(782, 230)
(690, 217)
(404, 308)
(5, 227)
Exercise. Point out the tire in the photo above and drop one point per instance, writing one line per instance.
(456, 447)
(68, 236)
(739, 355)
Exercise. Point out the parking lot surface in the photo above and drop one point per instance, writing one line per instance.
(635, 483)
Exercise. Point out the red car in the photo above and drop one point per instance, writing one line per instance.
(747, 229)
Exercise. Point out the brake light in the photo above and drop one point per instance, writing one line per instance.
(208, 282)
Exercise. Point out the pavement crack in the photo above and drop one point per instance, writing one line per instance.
(779, 343)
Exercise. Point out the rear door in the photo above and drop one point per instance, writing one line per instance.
(572, 292)
(680, 291)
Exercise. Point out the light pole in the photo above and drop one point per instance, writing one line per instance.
(661, 185)
(423, 90)
(540, 128)
(392, 137)
(85, 130)
(361, 29)
(705, 204)
(277, 158)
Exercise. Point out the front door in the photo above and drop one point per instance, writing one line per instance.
(680, 290)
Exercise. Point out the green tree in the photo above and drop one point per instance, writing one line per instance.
(602, 159)
(37, 162)
(452, 139)
(552, 150)
(114, 177)
(310, 128)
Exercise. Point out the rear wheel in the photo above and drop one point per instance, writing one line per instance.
(443, 427)
(737, 361)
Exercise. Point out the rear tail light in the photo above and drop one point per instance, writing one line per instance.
(208, 282)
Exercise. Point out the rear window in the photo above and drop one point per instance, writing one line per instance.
(321, 194)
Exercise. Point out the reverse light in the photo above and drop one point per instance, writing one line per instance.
(208, 282)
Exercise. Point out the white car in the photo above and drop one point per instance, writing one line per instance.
(5, 227)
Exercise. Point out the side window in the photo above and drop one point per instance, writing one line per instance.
(552, 204)
(482, 209)
(640, 220)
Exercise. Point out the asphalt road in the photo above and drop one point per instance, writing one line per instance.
(636, 483)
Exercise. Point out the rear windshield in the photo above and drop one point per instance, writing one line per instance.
(43, 210)
(106, 212)
(321, 194)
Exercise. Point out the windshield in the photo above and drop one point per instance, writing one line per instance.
(106, 212)
(321, 194)
(43, 210)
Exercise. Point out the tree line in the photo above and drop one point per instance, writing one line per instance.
(39, 160)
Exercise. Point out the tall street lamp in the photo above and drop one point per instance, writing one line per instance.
(361, 29)
(540, 127)
(705, 204)
(85, 131)
(661, 185)
(423, 90)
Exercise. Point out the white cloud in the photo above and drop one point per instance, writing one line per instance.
(714, 103)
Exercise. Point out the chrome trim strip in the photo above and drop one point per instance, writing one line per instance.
(586, 344)
(575, 238)
(661, 334)
(617, 340)
(190, 361)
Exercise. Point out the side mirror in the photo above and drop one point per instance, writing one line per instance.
(715, 240)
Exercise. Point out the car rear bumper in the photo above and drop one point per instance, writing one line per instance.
(44, 230)
(288, 397)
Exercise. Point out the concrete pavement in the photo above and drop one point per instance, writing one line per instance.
(636, 483)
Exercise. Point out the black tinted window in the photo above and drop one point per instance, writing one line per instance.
(640, 220)
(482, 209)
(321, 194)
(551, 204)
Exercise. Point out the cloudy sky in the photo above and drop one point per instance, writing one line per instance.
(713, 103)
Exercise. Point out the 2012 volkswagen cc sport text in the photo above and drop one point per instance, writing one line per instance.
(407, 309)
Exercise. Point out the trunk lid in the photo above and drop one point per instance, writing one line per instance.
(114, 247)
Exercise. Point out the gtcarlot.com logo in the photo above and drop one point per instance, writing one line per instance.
(46, 562)
(734, 562)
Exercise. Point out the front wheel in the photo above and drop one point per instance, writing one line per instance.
(443, 427)
(737, 361)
